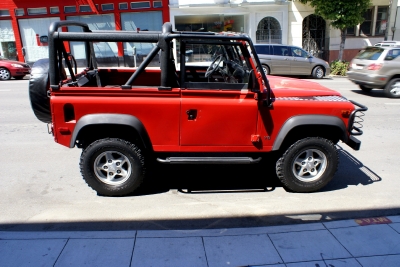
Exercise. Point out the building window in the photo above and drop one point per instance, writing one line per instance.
(54, 10)
(4, 13)
(70, 9)
(85, 8)
(19, 12)
(37, 11)
(381, 20)
(157, 4)
(135, 5)
(123, 6)
(269, 31)
(107, 7)
(366, 26)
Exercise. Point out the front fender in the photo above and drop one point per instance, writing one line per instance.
(309, 120)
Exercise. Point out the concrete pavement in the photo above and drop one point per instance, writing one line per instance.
(360, 242)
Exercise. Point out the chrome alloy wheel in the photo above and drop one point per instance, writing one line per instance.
(309, 165)
(319, 73)
(112, 167)
(395, 89)
(4, 74)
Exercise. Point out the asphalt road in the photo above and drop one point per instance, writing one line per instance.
(42, 189)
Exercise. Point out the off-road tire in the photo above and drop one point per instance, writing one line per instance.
(112, 156)
(318, 72)
(38, 90)
(364, 88)
(308, 165)
(392, 88)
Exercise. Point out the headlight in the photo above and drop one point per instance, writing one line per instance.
(17, 65)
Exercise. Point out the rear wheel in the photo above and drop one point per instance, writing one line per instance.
(112, 167)
(308, 165)
(318, 72)
(364, 88)
(392, 89)
(5, 74)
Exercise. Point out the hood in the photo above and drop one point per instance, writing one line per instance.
(13, 62)
(290, 87)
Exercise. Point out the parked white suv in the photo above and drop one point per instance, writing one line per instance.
(290, 60)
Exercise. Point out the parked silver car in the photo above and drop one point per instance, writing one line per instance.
(290, 60)
(377, 67)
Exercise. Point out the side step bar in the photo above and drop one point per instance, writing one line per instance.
(209, 160)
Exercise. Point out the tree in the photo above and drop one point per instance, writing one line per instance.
(342, 14)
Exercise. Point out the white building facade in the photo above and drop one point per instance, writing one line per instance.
(283, 21)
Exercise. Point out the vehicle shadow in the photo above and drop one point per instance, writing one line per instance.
(373, 93)
(203, 179)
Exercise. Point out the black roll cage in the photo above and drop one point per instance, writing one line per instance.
(163, 40)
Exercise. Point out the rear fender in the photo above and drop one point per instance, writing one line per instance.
(111, 119)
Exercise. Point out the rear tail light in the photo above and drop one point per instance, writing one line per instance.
(374, 66)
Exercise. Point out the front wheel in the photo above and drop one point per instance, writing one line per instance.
(318, 72)
(392, 89)
(5, 74)
(112, 167)
(308, 165)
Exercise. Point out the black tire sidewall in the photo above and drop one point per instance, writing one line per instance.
(389, 86)
(129, 150)
(314, 73)
(323, 145)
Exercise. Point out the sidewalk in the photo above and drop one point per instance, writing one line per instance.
(363, 242)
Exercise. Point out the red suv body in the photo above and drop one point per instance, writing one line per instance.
(210, 106)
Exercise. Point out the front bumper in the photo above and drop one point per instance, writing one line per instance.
(355, 125)
(368, 79)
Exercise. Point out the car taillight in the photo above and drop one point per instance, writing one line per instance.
(374, 66)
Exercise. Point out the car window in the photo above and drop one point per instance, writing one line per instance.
(370, 53)
(298, 52)
(392, 54)
(281, 50)
(263, 49)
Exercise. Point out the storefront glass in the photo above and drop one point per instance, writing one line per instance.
(7, 40)
(106, 52)
(31, 31)
(135, 53)
(213, 23)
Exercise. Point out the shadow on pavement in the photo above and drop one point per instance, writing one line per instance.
(200, 179)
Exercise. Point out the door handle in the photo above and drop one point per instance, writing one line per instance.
(192, 114)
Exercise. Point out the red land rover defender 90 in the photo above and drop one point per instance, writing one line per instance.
(207, 95)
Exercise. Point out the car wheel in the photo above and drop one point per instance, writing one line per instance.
(112, 167)
(392, 89)
(318, 72)
(266, 69)
(364, 88)
(19, 77)
(5, 74)
(308, 165)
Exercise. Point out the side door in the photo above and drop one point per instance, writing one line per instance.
(218, 110)
(301, 63)
(281, 60)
